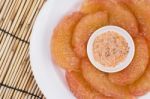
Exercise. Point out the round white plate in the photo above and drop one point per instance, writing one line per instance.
(50, 78)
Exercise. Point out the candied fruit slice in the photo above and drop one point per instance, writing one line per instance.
(61, 49)
(85, 28)
(136, 68)
(101, 83)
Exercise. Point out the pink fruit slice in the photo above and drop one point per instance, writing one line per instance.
(61, 49)
(85, 28)
(101, 83)
(136, 68)
(141, 9)
(80, 88)
(141, 86)
(119, 15)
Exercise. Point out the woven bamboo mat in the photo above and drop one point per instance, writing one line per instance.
(16, 22)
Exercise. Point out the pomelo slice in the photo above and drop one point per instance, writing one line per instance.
(136, 68)
(119, 14)
(141, 9)
(80, 88)
(61, 48)
(141, 86)
(101, 83)
(85, 28)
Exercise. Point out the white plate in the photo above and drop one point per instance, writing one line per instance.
(49, 78)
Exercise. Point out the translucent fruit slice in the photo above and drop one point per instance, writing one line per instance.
(118, 13)
(85, 28)
(101, 83)
(141, 9)
(137, 66)
(80, 88)
(141, 86)
(61, 49)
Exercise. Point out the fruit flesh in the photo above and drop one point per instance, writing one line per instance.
(80, 88)
(141, 86)
(119, 15)
(85, 28)
(141, 9)
(101, 83)
(61, 48)
(136, 68)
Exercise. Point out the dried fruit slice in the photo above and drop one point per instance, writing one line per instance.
(136, 68)
(101, 83)
(141, 9)
(80, 88)
(85, 28)
(61, 49)
(118, 13)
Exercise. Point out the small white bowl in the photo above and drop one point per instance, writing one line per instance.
(120, 66)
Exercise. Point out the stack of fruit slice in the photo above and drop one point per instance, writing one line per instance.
(69, 44)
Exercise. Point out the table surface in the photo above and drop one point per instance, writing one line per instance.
(16, 21)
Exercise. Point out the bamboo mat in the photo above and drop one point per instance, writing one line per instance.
(16, 21)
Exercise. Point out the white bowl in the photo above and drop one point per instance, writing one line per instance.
(122, 65)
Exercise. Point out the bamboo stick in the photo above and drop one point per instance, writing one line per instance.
(30, 78)
(19, 15)
(2, 4)
(6, 62)
(22, 83)
(26, 26)
(11, 83)
(5, 9)
(11, 13)
(8, 93)
(5, 40)
(9, 76)
(21, 79)
(4, 89)
(4, 20)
